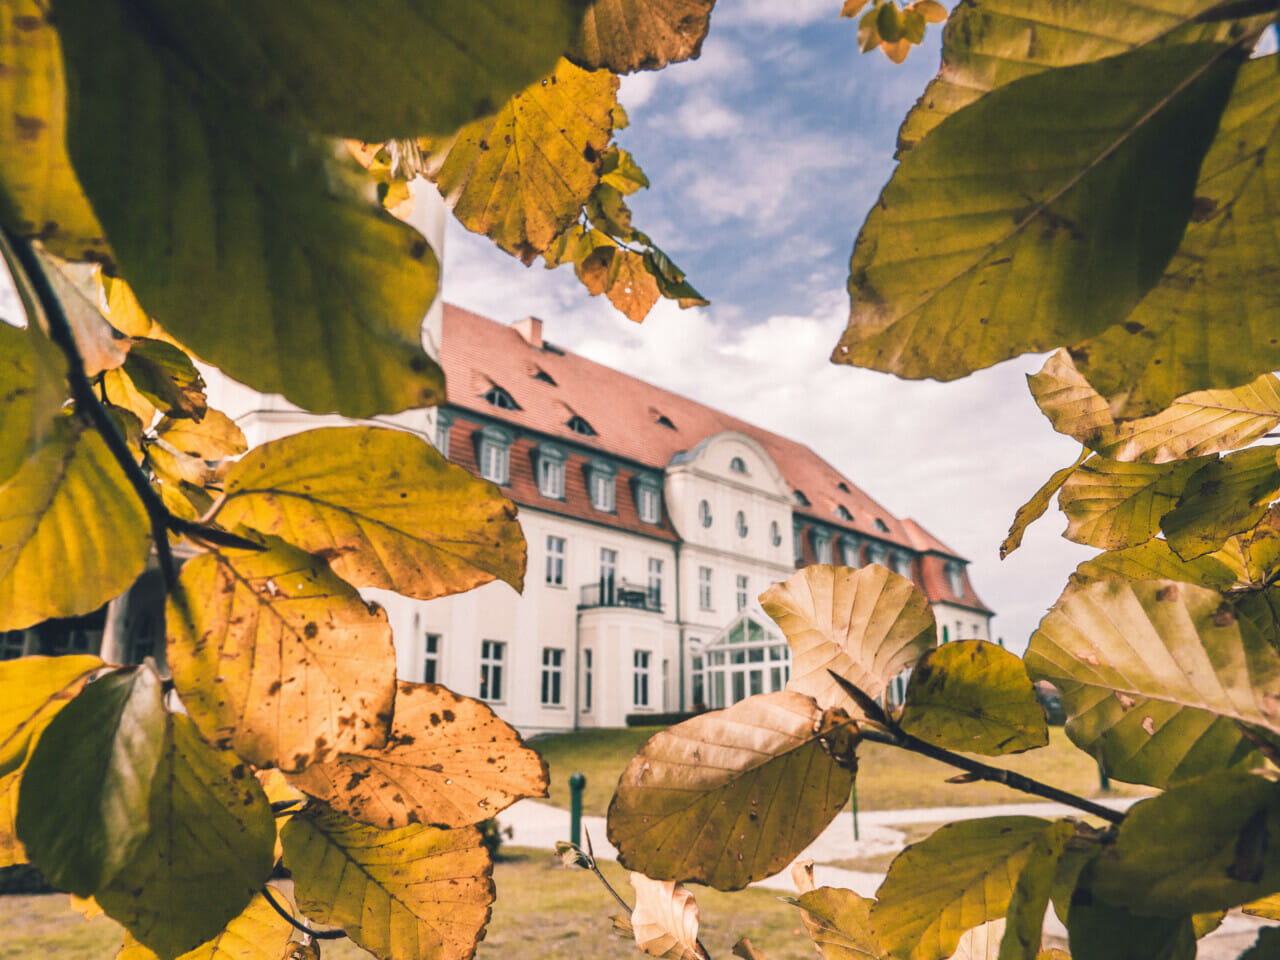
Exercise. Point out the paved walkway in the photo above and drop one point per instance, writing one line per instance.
(540, 825)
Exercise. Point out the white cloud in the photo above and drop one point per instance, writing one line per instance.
(776, 12)
(702, 116)
(636, 89)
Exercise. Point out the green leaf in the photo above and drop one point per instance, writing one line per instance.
(1102, 931)
(1210, 320)
(1202, 846)
(1156, 676)
(1078, 181)
(213, 437)
(1221, 499)
(408, 894)
(732, 796)
(20, 400)
(988, 44)
(521, 176)
(867, 625)
(1209, 421)
(260, 247)
(1155, 560)
(961, 876)
(627, 35)
(166, 376)
(210, 847)
(1267, 945)
(83, 809)
(839, 923)
(448, 762)
(40, 196)
(276, 656)
(70, 505)
(382, 507)
(1025, 928)
(974, 696)
(32, 691)
(671, 280)
(1034, 509)
(398, 70)
(1113, 505)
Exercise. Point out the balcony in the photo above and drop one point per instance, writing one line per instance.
(608, 593)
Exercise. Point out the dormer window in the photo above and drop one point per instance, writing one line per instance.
(704, 513)
(665, 421)
(648, 500)
(444, 420)
(578, 425)
(600, 485)
(877, 553)
(801, 499)
(822, 546)
(849, 552)
(544, 377)
(738, 465)
(843, 513)
(843, 486)
(901, 565)
(955, 578)
(551, 471)
(494, 454)
(881, 525)
(740, 524)
(501, 399)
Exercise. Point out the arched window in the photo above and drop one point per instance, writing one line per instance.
(704, 513)
(501, 399)
(740, 524)
(578, 425)
(843, 513)
(801, 498)
(738, 465)
(881, 525)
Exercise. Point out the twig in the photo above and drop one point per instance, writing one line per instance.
(897, 737)
(591, 856)
(318, 934)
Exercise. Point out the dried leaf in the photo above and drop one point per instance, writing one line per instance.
(665, 919)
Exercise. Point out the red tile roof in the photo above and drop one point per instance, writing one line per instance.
(934, 555)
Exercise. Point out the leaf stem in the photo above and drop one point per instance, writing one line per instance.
(591, 856)
(318, 934)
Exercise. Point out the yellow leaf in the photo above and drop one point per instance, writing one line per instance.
(122, 392)
(87, 907)
(449, 762)
(931, 10)
(32, 691)
(408, 894)
(1113, 505)
(212, 438)
(867, 625)
(1034, 509)
(839, 923)
(851, 8)
(123, 310)
(521, 176)
(634, 289)
(71, 501)
(275, 655)
(382, 506)
(665, 919)
(732, 796)
(627, 35)
(259, 933)
(21, 407)
(40, 195)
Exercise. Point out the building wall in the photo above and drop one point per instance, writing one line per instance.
(961, 623)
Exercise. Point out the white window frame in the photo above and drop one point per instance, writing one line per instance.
(742, 589)
(551, 460)
(602, 486)
(955, 578)
(587, 665)
(641, 668)
(704, 589)
(849, 550)
(648, 501)
(432, 645)
(655, 582)
(555, 560)
(443, 422)
(821, 546)
(552, 677)
(494, 455)
(493, 657)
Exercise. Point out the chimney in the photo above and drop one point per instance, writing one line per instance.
(531, 329)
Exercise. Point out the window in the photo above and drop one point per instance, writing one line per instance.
(665, 421)
(699, 698)
(704, 588)
(544, 377)
(431, 658)
(443, 422)
(740, 524)
(737, 465)
(552, 675)
(608, 574)
(843, 513)
(775, 535)
(900, 564)
(881, 525)
(955, 578)
(492, 653)
(586, 680)
(741, 589)
(844, 486)
(600, 483)
(946, 634)
(551, 471)
(801, 498)
(849, 552)
(12, 643)
(797, 538)
(647, 500)
(746, 659)
(578, 425)
(822, 546)
(501, 399)
(640, 678)
(704, 513)
(555, 561)
(877, 553)
(655, 582)
(959, 630)
(495, 454)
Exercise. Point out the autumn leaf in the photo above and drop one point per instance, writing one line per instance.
(213, 437)
(866, 625)
(1113, 505)
(732, 796)
(665, 919)
(1223, 498)
(1034, 509)
(628, 35)
(448, 762)
(382, 506)
(259, 933)
(839, 923)
(276, 656)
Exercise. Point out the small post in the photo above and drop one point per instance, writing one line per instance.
(853, 802)
(1104, 782)
(577, 783)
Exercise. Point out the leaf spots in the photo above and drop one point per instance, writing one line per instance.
(1126, 701)
(1167, 594)
(1202, 208)
(1149, 725)
(310, 631)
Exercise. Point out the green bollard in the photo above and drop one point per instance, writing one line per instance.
(1104, 782)
(853, 801)
(577, 783)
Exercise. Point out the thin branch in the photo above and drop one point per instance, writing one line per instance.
(897, 737)
(591, 856)
(318, 934)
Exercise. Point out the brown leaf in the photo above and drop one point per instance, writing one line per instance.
(627, 35)
(449, 762)
(665, 919)
(802, 875)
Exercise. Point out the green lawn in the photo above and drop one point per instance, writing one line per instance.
(888, 778)
(544, 912)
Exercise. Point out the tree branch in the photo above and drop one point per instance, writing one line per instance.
(318, 934)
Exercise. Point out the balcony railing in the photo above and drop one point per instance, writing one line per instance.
(607, 592)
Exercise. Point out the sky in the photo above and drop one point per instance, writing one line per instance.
(764, 156)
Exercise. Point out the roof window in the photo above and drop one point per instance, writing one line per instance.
(501, 399)
(801, 498)
(881, 525)
(544, 377)
(578, 425)
(665, 421)
(844, 486)
(843, 512)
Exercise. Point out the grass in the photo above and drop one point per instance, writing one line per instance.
(888, 778)
(544, 912)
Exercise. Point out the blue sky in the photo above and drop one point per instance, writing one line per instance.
(764, 156)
